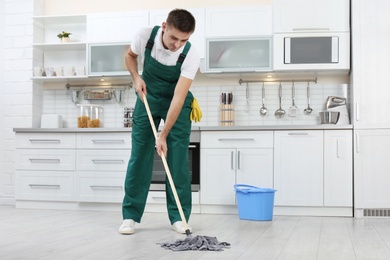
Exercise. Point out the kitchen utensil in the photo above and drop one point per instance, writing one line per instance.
(183, 219)
(338, 104)
(308, 110)
(279, 113)
(292, 112)
(247, 106)
(329, 117)
(263, 109)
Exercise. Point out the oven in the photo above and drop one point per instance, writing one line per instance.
(159, 174)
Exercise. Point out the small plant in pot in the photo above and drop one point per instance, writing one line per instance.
(64, 36)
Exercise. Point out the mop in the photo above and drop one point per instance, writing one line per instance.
(189, 243)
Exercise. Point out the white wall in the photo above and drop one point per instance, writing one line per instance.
(2, 42)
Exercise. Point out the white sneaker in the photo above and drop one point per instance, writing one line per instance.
(127, 227)
(179, 227)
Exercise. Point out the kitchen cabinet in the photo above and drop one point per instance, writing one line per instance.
(298, 168)
(234, 157)
(238, 21)
(45, 167)
(107, 59)
(371, 167)
(115, 27)
(71, 167)
(49, 52)
(338, 164)
(101, 166)
(157, 17)
(302, 16)
(370, 77)
(238, 54)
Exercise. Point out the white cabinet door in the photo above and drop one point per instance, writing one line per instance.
(218, 176)
(311, 15)
(239, 21)
(115, 27)
(370, 67)
(372, 178)
(338, 168)
(298, 168)
(197, 39)
(255, 167)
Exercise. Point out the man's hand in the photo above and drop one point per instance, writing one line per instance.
(161, 146)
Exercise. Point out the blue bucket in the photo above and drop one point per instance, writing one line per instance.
(254, 203)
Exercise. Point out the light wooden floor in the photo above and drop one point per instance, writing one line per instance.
(56, 234)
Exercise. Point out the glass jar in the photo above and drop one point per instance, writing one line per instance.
(84, 116)
(95, 116)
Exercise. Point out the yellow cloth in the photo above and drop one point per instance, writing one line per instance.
(196, 113)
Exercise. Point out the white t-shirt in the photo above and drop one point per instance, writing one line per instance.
(190, 65)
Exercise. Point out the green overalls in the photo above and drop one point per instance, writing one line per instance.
(160, 81)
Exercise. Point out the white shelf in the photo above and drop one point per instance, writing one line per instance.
(61, 46)
(61, 19)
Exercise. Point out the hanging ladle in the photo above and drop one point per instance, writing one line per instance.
(279, 113)
(308, 110)
(263, 109)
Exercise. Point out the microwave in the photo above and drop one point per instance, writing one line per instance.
(312, 51)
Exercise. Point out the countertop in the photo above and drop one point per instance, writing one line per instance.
(194, 128)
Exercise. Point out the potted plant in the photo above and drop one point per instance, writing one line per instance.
(64, 36)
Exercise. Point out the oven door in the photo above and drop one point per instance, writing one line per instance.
(159, 174)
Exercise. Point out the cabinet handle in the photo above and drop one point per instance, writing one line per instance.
(235, 139)
(45, 140)
(106, 161)
(337, 148)
(45, 186)
(159, 198)
(99, 187)
(231, 160)
(239, 160)
(311, 29)
(357, 143)
(298, 133)
(357, 111)
(108, 141)
(45, 160)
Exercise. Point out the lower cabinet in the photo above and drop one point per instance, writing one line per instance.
(298, 168)
(234, 157)
(372, 178)
(313, 168)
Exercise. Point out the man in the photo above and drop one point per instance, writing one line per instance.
(170, 64)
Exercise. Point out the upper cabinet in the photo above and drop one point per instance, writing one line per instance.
(157, 17)
(239, 21)
(116, 27)
(311, 16)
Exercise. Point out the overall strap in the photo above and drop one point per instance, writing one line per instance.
(183, 55)
(150, 43)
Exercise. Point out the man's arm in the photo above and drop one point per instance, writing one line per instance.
(181, 91)
(132, 67)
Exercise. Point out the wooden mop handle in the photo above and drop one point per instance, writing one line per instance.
(166, 166)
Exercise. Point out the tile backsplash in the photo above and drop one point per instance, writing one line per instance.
(246, 111)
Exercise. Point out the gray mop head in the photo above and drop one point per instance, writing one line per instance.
(199, 243)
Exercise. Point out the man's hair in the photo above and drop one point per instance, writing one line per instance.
(182, 20)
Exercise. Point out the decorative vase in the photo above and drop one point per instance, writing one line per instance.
(65, 39)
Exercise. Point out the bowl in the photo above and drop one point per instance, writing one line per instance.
(329, 117)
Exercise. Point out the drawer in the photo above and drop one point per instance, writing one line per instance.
(45, 140)
(102, 160)
(48, 186)
(45, 159)
(159, 197)
(104, 140)
(237, 139)
(101, 188)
